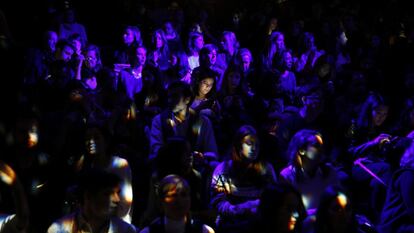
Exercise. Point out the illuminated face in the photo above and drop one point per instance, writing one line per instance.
(312, 155)
(379, 115)
(288, 215)
(226, 42)
(212, 56)
(78, 45)
(177, 200)
(280, 42)
(287, 58)
(205, 86)
(199, 43)
(246, 62)
(66, 53)
(248, 148)
(141, 56)
(128, 36)
(182, 104)
(158, 41)
(94, 144)
(169, 29)
(310, 42)
(91, 59)
(105, 203)
(52, 39)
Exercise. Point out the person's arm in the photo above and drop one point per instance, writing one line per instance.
(222, 187)
(20, 221)
(79, 62)
(359, 150)
(156, 137)
(207, 140)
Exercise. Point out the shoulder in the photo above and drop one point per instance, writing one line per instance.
(62, 225)
(207, 229)
(119, 225)
(288, 173)
(117, 161)
(145, 230)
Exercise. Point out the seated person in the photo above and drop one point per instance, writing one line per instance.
(238, 183)
(99, 198)
(174, 194)
(178, 120)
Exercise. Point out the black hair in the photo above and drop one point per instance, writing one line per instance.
(177, 90)
(95, 180)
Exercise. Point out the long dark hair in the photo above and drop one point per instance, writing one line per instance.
(299, 142)
(256, 169)
(373, 101)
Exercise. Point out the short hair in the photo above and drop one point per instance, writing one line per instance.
(169, 182)
(95, 180)
(177, 90)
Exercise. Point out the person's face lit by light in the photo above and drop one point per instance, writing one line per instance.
(248, 148)
(66, 53)
(212, 56)
(182, 105)
(226, 42)
(158, 41)
(379, 115)
(287, 59)
(280, 41)
(205, 86)
(105, 203)
(141, 56)
(77, 45)
(51, 41)
(177, 200)
(91, 59)
(246, 60)
(168, 28)
(199, 43)
(128, 36)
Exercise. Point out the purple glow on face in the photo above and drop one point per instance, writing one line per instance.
(52, 39)
(212, 57)
(158, 41)
(246, 62)
(66, 53)
(91, 59)
(128, 36)
(141, 56)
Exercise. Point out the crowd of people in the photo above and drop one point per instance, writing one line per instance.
(264, 116)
